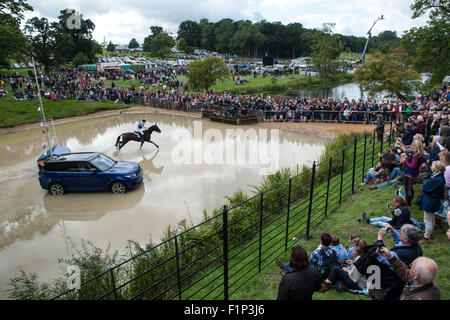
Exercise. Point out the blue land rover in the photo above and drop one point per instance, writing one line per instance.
(88, 171)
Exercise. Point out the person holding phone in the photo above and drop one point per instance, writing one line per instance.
(400, 215)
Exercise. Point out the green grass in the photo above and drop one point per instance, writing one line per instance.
(15, 112)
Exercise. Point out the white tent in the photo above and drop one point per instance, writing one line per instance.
(446, 79)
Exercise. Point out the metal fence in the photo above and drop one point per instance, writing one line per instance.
(217, 257)
(333, 116)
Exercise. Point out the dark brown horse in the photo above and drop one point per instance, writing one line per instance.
(123, 139)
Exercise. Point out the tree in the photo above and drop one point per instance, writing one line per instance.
(181, 44)
(155, 30)
(161, 44)
(42, 39)
(439, 7)
(191, 32)
(133, 44)
(326, 51)
(72, 40)
(429, 44)
(80, 59)
(389, 73)
(224, 32)
(189, 50)
(111, 47)
(202, 74)
(14, 43)
(208, 34)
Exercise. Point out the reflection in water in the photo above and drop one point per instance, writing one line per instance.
(349, 90)
(35, 228)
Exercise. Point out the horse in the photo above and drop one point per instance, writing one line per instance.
(123, 139)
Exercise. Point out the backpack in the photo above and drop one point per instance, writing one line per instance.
(329, 263)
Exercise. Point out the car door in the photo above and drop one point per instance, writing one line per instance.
(70, 175)
(90, 177)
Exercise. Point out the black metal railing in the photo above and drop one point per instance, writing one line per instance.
(217, 257)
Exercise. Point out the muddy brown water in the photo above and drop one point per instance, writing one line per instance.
(36, 229)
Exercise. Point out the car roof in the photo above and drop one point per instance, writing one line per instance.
(81, 156)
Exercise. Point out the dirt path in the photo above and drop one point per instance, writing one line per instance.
(324, 129)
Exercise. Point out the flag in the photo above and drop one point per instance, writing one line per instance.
(42, 124)
(43, 131)
(40, 116)
(46, 129)
(39, 109)
(43, 147)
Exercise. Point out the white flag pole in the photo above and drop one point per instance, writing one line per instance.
(42, 108)
(54, 132)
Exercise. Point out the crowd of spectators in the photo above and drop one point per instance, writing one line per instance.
(162, 86)
(404, 274)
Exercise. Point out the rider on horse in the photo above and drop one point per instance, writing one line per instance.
(141, 128)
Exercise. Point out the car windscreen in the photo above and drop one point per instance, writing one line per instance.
(102, 162)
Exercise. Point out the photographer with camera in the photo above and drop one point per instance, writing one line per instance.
(418, 280)
(406, 249)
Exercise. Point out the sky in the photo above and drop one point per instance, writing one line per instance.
(121, 20)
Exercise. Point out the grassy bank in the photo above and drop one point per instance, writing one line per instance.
(15, 112)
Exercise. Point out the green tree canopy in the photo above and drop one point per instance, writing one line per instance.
(80, 59)
(430, 44)
(13, 42)
(326, 51)
(203, 74)
(42, 38)
(71, 40)
(155, 30)
(181, 44)
(111, 47)
(133, 44)
(191, 32)
(389, 73)
(161, 44)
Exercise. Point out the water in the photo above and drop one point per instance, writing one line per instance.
(36, 229)
(349, 90)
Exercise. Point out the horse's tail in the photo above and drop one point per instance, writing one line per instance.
(117, 142)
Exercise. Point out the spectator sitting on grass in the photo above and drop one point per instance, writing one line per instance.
(418, 280)
(378, 174)
(317, 259)
(350, 277)
(340, 250)
(400, 215)
(3, 92)
(394, 171)
(301, 281)
(351, 249)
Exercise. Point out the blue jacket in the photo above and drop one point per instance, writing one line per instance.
(433, 192)
(341, 253)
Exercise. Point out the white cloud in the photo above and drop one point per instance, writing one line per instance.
(119, 20)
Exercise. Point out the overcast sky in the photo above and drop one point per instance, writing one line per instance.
(121, 20)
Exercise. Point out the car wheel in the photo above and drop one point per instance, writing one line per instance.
(118, 188)
(56, 189)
